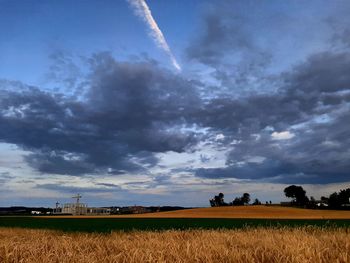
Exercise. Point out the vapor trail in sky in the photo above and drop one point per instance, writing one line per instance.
(142, 10)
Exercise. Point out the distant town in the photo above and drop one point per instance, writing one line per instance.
(79, 208)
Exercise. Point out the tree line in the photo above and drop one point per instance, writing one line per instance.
(336, 200)
(218, 200)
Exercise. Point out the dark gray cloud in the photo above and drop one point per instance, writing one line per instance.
(312, 90)
(317, 154)
(322, 72)
(224, 30)
(73, 190)
(316, 87)
(313, 105)
(131, 111)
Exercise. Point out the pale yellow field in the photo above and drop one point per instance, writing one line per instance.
(288, 245)
(262, 211)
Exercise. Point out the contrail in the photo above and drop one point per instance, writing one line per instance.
(142, 10)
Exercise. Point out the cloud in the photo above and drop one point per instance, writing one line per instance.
(5, 177)
(301, 132)
(135, 113)
(142, 10)
(318, 154)
(98, 188)
(245, 44)
(131, 110)
(284, 135)
(266, 104)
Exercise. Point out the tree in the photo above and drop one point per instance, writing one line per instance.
(245, 198)
(218, 200)
(297, 193)
(344, 196)
(256, 202)
(312, 203)
(324, 199)
(333, 200)
(336, 200)
(237, 201)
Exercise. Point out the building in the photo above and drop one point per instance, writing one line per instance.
(98, 211)
(74, 209)
(78, 208)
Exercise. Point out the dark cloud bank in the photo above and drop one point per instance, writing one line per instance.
(133, 110)
(314, 106)
(130, 111)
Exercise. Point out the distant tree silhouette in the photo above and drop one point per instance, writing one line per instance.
(333, 200)
(337, 200)
(344, 196)
(324, 199)
(218, 200)
(297, 193)
(243, 200)
(237, 201)
(256, 202)
(312, 202)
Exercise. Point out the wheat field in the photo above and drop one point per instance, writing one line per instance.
(261, 211)
(245, 245)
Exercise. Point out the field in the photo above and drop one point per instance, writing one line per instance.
(266, 212)
(201, 218)
(265, 245)
(107, 225)
(225, 234)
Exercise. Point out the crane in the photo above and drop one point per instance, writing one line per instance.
(77, 197)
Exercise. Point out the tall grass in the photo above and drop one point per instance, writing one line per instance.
(245, 245)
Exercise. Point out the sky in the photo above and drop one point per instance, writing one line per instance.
(171, 102)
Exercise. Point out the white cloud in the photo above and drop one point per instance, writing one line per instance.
(284, 135)
(219, 137)
(255, 159)
(206, 155)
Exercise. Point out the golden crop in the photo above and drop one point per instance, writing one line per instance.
(261, 211)
(245, 245)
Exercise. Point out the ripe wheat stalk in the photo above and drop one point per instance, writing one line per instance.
(245, 245)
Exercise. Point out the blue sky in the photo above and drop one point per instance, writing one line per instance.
(32, 30)
(90, 103)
